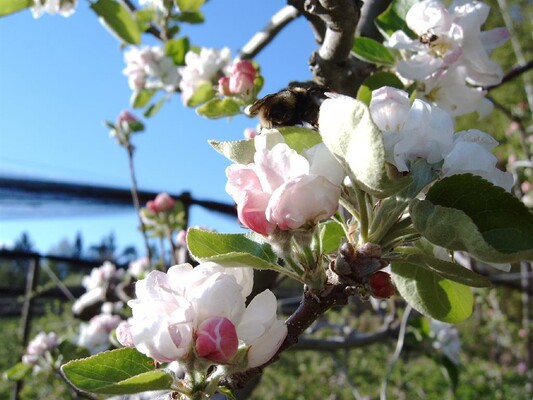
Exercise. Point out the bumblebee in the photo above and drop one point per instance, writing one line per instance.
(288, 107)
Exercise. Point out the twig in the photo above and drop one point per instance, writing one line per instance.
(261, 39)
(134, 195)
(512, 74)
(397, 352)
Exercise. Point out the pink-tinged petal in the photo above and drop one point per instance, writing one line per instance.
(216, 340)
(420, 66)
(241, 178)
(274, 167)
(305, 199)
(258, 317)
(123, 334)
(251, 209)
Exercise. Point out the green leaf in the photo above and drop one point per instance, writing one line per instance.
(357, 143)
(240, 151)
(189, 5)
(144, 18)
(218, 108)
(120, 371)
(18, 371)
(379, 79)
(203, 94)
(372, 51)
(393, 18)
(11, 6)
(154, 108)
(191, 17)
(176, 49)
(299, 138)
(466, 212)
(431, 294)
(142, 97)
(118, 19)
(449, 270)
(331, 236)
(231, 250)
(450, 370)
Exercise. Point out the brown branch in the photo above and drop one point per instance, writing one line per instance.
(333, 65)
(512, 74)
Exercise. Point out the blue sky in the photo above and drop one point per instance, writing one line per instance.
(61, 77)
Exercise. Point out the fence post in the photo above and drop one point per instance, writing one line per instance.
(26, 315)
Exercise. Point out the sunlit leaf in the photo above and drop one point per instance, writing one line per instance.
(119, 19)
(372, 51)
(11, 6)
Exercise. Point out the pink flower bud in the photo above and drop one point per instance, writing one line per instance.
(250, 133)
(241, 83)
(216, 339)
(162, 203)
(244, 67)
(151, 206)
(223, 86)
(126, 117)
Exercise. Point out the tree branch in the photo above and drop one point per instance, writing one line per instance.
(261, 39)
(512, 74)
(332, 64)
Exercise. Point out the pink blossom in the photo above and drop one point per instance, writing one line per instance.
(200, 312)
(250, 133)
(282, 189)
(216, 339)
(223, 86)
(162, 203)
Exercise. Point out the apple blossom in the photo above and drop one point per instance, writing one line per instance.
(425, 131)
(150, 68)
(410, 132)
(94, 335)
(450, 54)
(471, 153)
(207, 66)
(38, 346)
(138, 268)
(64, 8)
(200, 312)
(283, 189)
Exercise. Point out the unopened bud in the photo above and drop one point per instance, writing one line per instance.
(381, 285)
(216, 339)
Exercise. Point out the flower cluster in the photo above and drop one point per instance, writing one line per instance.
(424, 131)
(200, 313)
(451, 54)
(150, 68)
(65, 8)
(96, 284)
(162, 215)
(205, 67)
(240, 81)
(282, 189)
(39, 345)
(94, 335)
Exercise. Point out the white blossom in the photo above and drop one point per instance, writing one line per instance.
(65, 8)
(94, 335)
(171, 307)
(150, 68)
(207, 66)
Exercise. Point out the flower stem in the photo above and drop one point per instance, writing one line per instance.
(135, 197)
